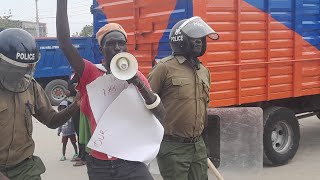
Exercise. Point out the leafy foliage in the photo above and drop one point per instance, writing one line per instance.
(87, 31)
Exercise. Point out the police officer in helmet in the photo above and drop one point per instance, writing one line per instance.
(188, 39)
(21, 98)
(19, 54)
(183, 85)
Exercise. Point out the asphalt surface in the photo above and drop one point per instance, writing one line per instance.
(305, 165)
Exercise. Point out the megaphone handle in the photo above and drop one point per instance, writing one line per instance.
(134, 80)
(148, 96)
(146, 93)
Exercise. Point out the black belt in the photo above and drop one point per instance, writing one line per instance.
(105, 163)
(8, 168)
(182, 139)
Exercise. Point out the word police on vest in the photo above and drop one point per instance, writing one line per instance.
(26, 56)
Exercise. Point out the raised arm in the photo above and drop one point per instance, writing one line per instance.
(63, 36)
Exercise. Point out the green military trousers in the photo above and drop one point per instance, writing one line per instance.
(29, 169)
(183, 161)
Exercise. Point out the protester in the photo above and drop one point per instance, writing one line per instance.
(183, 84)
(112, 39)
(21, 98)
(72, 82)
(68, 132)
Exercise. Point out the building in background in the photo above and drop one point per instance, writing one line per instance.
(26, 25)
(31, 28)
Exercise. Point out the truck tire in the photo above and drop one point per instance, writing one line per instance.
(55, 91)
(281, 136)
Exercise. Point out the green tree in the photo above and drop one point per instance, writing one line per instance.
(6, 22)
(87, 31)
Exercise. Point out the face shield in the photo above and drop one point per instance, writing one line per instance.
(15, 76)
(196, 28)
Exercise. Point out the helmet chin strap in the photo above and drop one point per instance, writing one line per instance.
(192, 57)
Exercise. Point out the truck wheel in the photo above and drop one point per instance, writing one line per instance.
(281, 135)
(55, 91)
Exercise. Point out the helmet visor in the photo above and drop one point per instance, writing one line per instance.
(15, 78)
(196, 28)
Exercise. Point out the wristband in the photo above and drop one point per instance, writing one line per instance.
(155, 104)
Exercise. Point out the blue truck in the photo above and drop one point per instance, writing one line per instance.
(53, 69)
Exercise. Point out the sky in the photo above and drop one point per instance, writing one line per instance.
(78, 12)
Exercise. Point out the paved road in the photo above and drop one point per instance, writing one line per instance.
(305, 164)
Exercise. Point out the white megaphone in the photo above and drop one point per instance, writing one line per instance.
(124, 66)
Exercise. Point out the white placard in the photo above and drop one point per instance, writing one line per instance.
(102, 92)
(128, 130)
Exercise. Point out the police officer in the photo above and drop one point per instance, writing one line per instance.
(183, 84)
(21, 98)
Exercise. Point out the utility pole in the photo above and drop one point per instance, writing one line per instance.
(37, 19)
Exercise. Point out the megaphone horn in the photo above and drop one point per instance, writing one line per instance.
(124, 66)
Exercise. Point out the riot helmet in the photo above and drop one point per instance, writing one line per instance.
(185, 30)
(18, 56)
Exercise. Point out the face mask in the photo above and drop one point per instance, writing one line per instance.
(14, 78)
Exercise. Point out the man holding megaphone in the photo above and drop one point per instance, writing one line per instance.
(112, 39)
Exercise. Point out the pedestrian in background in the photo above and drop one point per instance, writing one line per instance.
(72, 83)
(68, 133)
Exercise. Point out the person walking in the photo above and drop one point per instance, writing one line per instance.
(183, 84)
(22, 98)
(68, 133)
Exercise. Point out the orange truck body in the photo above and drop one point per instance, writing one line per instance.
(267, 49)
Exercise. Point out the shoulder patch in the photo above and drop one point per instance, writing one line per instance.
(165, 59)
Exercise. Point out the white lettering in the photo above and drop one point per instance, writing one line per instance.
(49, 47)
(178, 31)
(26, 56)
(197, 24)
(176, 38)
(57, 47)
